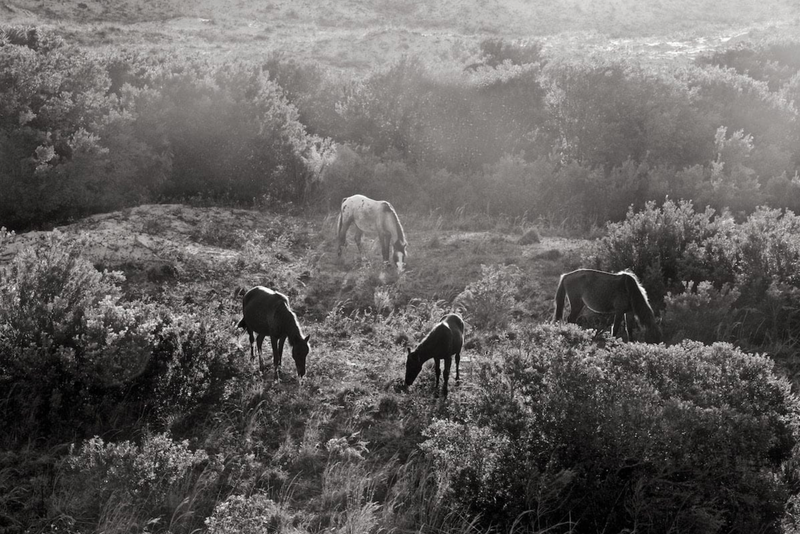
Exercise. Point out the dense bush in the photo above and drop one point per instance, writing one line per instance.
(576, 142)
(76, 358)
(562, 434)
(123, 487)
(742, 277)
(83, 132)
(666, 246)
(68, 148)
(774, 62)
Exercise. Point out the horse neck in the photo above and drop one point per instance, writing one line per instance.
(430, 346)
(291, 327)
(395, 228)
(641, 307)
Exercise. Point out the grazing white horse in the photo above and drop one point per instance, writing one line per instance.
(373, 217)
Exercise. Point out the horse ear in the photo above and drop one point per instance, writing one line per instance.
(409, 350)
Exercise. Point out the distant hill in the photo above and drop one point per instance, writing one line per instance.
(358, 34)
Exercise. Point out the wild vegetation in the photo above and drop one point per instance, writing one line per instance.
(129, 402)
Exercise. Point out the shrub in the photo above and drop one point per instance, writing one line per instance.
(666, 246)
(70, 148)
(116, 487)
(255, 514)
(702, 313)
(77, 359)
(492, 298)
(66, 341)
(623, 437)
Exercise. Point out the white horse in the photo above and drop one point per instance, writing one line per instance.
(373, 217)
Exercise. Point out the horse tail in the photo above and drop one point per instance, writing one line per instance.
(638, 299)
(341, 238)
(339, 220)
(561, 293)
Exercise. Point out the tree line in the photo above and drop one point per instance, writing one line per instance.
(518, 133)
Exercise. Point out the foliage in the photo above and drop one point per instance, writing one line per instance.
(123, 486)
(702, 313)
(620, 438)
(249, 515)
(516, 133)
(491, 299)
(69, 147)
(75, 357)
(666, 246)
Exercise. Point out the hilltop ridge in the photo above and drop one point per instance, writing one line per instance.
(360, 34)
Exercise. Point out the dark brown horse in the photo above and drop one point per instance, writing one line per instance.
(606, 293)
(441, 343)
(373, 217)
(267, 313)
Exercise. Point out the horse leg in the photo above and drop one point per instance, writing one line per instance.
(615, 330)
(447, 363)
(276, 357)
(357, 233)
(458, 360)
(281, 342)
(561, 293)
(252, 339)
(438, 371)
(259, 341)
(575, 309)
(385, 245)
(342, 235)
(629, 325)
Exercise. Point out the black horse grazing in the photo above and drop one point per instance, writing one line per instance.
(619, 293)
(441, 343)
(267, 313)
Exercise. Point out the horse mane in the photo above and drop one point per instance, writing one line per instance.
(294, 331)
(401, 235)
(427, 347)
(639, 300)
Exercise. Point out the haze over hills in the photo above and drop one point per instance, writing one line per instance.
(359, 34)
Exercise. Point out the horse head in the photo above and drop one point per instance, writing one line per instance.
(413, 367)
(652, 334)
(299, 353)
(399, 256)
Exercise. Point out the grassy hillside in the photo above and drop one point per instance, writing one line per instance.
(189, 437)
(176, 252)
(359, 34)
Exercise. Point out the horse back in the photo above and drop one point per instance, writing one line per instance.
(444, 340)
(600, 291)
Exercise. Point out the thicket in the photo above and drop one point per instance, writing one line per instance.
(516, 132)
(562, 435)
(82, 132)
(714, 279)
(77, 360)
